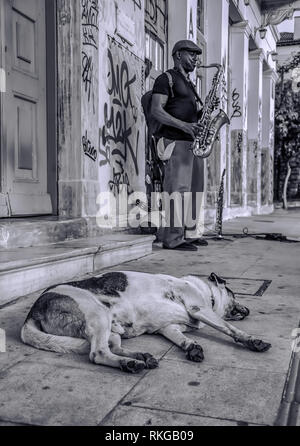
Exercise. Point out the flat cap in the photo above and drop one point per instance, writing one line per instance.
(187, 45)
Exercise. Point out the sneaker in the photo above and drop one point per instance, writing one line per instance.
(183, 247)
(198, 242)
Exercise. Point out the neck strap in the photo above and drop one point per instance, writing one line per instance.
(190, 83)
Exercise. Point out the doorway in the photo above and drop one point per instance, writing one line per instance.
(28, 109)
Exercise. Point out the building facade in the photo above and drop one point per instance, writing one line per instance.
(288, 52)
(72, 77)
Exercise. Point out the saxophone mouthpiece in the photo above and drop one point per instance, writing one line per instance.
(213, 65)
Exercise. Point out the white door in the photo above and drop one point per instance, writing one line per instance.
(24, 145)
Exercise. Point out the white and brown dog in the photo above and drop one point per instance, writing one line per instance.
(93, 315)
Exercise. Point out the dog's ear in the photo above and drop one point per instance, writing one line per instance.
(230, 292)
(216, 279)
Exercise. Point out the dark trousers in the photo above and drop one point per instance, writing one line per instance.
(184, 173)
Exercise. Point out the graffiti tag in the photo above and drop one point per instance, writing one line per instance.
(89, 17)
(239, 143)
(88, 149)
(119, 117)
(237, 113)
(87, 73)
(120, 179)
(153, 10)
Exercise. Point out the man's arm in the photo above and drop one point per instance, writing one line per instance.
(159, 101)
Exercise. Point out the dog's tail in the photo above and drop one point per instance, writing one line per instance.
(32, 335)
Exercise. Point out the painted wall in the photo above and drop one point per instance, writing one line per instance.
(121, 126)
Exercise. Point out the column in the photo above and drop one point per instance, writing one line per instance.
(254, 126)
(267, 154)
(182, 22)
(239, 63)
(78, 132)
(217, 26)
(70, 157)
(89, 105)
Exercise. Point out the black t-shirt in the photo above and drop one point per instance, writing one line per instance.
(182, 106)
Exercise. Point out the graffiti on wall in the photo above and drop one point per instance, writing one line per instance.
(235, 104)
(239, 142)
(88, 149)
(237, 139)
(120, 135)
(119, 180)
(89, 20)
(137, 3)
(252, 171)
(156, 16)
(90, 36)
(87, 74)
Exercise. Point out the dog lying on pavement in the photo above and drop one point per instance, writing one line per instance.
(93, 315)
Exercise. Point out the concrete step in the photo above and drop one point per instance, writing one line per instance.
(26, 270)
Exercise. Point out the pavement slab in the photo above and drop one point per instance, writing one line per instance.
(48, 395)
(215, 391)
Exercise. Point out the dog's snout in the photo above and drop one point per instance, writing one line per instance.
(247, 311)
(244, 311)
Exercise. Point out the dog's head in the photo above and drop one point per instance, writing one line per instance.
(234, 311)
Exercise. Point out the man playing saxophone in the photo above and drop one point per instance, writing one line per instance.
(178, 108)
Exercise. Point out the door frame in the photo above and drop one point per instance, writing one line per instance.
(2, 93)
(51, 105)
(51, 102)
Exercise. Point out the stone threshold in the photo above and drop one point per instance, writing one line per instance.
(26, 270)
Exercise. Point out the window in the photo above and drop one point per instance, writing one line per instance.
(200, 16)
(156, 28)
(155, 51)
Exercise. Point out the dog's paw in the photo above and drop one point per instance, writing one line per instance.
(150, 361)
(132, 366)
(257, 345)
(195, 353)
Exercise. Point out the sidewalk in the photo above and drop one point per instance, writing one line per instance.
(232, 386)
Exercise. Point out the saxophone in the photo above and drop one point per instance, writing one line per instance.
(204, 141)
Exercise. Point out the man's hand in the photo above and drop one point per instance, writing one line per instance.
(191, 128)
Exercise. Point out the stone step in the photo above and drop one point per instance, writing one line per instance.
(38, 231)
(26, 270)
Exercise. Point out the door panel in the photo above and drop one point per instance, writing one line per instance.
(25, 117)
(25, 160)
(24, 41)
